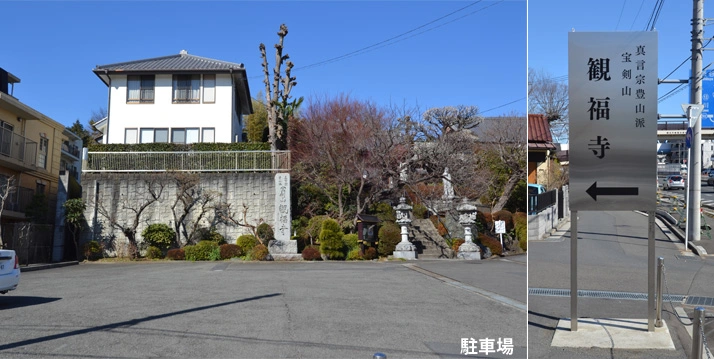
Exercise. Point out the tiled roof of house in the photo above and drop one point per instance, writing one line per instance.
(539, 136)
(179, 62)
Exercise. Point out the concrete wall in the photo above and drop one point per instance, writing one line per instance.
(119, 193)
(540, 225)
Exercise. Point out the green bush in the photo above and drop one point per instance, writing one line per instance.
(177, 147)
(259, 253)
(246, 242)
(331, 244)
(154, 253)
(177, 254)
(311, 253)
(351, 241)
(213, 235)
(420, 211)
(523, 243)
(264, 233)
(203, 251)
(314, 226)
(385, 212)
(354, 255)
(520, 221)
(389, 236)
(92, 250)
(159, 235)
(229, 251)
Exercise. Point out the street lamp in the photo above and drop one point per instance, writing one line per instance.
(404, 248)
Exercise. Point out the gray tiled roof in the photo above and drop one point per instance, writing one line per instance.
(179, 62)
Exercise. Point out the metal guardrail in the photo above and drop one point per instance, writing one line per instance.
(539, 202)
(194, 161)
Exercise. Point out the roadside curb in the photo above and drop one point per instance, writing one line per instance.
(36, 267)
(698, 250)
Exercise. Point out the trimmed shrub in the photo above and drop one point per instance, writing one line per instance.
(154, 253)
(159, 235)
(246, 242)
(229, 251)
(311, 253)
(523, 243)
(370, 253)
(389, 236)
(331, 244)
(354, 255)
(505, 216)
(419, 211)
(520, 221)
(385, 212)
(213, 235)
(177, 254)
(259, 253)
(493, 244)
(203, 251)
(456, 243)
(484, 222)
(351, 241)
(264, 233)
(92, 250)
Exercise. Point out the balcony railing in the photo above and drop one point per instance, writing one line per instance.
(19, 199)
(199, 161)
(70, 149)
(18, 147)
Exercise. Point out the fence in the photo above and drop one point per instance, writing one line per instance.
(539, 202)
(199, 161)
(31, 242)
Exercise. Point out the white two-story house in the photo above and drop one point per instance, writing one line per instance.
(179, 98)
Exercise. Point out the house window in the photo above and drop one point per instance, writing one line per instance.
(209, 88)
(130, 135)
(39, 188)
(178, 135)
(140, 89)
(149, 135)
(209, 135)
(42, 158)
(186, 88)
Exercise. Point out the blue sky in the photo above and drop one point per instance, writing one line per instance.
(551, 20)
(477, 56)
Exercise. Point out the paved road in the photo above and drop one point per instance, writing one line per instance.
(612, 257)
(263, 310)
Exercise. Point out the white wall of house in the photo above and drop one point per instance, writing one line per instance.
(162, 113)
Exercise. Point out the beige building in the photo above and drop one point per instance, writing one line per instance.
(32, 155)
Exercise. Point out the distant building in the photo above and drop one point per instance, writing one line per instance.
(178, 98)
(541, 149)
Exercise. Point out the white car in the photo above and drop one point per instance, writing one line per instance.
(9, 271)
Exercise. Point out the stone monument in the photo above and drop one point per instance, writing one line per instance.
(467, 218)
(282, 247)
(404, 249)
(448, 187)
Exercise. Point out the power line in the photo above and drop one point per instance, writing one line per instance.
(621, 11)
(638, 14)
(504, 105)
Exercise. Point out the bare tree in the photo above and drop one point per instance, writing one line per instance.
(191, 201)
(549, 96)
(135, 207)
(277, 99)
(7, 187)
(504, 140)
(224, 214)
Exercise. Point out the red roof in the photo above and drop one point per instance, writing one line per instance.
(539, 132)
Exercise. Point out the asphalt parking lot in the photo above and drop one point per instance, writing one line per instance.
(264, 310)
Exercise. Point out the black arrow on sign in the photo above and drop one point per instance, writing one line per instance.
(593, 191)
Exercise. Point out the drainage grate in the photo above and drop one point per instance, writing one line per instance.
(708, 301)
(599, 294)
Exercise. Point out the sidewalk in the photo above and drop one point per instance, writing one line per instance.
(40, 266)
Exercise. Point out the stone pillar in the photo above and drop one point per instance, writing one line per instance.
(405, 249)
(282, 247)
(467, 218)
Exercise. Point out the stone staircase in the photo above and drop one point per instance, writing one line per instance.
(430, 245)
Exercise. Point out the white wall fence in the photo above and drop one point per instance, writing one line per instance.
(192, 161)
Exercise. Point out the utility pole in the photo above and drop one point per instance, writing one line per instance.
(695, 97)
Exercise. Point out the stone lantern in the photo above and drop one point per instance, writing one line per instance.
(467, 218)
(404, 249)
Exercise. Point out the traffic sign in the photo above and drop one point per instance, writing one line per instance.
(612, 89)
(707, 98)
(688, 137)
(696, 112)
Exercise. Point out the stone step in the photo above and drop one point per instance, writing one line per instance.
(426, 238)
